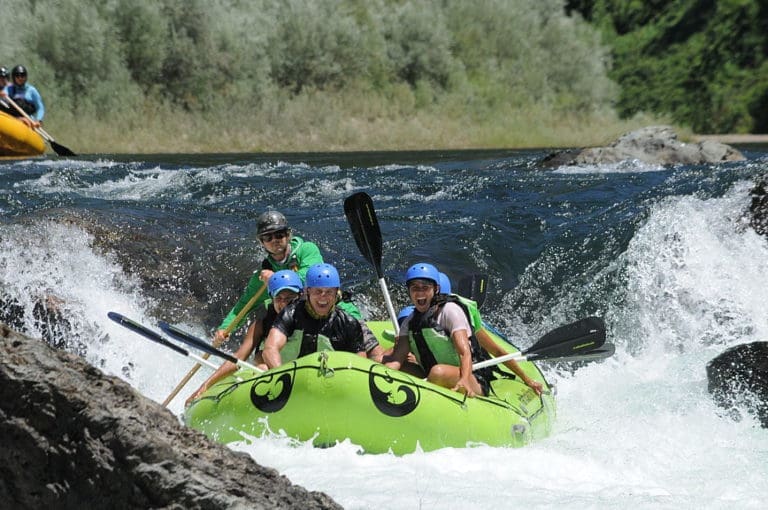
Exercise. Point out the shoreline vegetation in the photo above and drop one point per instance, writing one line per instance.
(207, 76)
(320, 128)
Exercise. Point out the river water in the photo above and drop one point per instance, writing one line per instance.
(665, 255)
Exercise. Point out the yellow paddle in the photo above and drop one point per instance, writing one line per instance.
(193, 370)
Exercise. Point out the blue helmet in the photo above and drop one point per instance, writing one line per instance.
(285, 279)
(445, 283)
(323, 275)
(422, 271)
(405, 312)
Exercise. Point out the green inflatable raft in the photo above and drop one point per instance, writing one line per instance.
(330, 396)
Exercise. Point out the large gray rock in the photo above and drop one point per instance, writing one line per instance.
(72, 437)
(654, 145)
(738, 380)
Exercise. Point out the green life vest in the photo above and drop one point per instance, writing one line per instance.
(301, 343)
(431, 344)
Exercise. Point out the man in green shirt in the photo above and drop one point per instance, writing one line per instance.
(284, 251)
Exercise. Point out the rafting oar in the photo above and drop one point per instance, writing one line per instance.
(365, 229)
(569, 342)
(148, 333)
(474, 287)
(201, 344)
(606, 351)
(227, 331)
(57, 147)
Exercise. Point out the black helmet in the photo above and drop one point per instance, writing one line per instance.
(19, 71)
(4, 72)
(271, 221)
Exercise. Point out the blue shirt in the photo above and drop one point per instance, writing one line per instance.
(30, 95)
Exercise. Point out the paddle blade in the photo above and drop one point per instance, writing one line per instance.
(579, 337)
(474, 287)
(606, 351)
(365, 228)
(61, 150)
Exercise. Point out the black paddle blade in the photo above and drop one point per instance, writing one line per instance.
(579, 337)
(365, 227)
(606, 351)
(474, 287)
(61, 150)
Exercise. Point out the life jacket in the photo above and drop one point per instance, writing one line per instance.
(19, 96)
(306, 334)
(431, 343)
(266, 323)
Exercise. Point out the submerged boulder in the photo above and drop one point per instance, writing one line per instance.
(738, 379)
(654, 145)
(759, 206)
(73, 437)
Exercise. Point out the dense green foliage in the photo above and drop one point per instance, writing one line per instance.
(107, 59)
(703, 62)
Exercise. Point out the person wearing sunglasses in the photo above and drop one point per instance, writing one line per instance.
(284, 251)
(315, 323)
(284, 287)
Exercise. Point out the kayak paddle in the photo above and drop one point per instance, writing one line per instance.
(232, 325)
(474, 287)
(148, 333)
(576, 341)
(201, 344)
(57, 147)
(365, 229)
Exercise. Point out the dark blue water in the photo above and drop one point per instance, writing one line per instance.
(535, 233)
(666, 255)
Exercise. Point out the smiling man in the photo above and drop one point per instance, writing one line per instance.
(284, 251)
(316, 324)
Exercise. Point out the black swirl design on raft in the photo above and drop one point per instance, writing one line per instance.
(385, 391)
(261, 392)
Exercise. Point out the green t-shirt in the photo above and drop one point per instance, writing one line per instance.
(303, 255)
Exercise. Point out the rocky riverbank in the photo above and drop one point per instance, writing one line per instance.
(72, 437)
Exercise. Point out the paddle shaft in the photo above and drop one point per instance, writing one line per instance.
(57, 147)
(201, 344)
(578, 339)
(151, 335)
(216, 343)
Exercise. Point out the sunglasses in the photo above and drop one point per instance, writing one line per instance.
(282, 234)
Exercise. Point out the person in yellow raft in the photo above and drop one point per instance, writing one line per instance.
(316, 323)
(440, 335)
(284, 251)
(284, 287)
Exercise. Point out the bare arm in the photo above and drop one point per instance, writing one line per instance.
(487, 343)
(399, 353)
(245, 350)
(274, 343)
(461, 344)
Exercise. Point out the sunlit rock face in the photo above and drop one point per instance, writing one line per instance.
(72, 437)
(653, 145)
